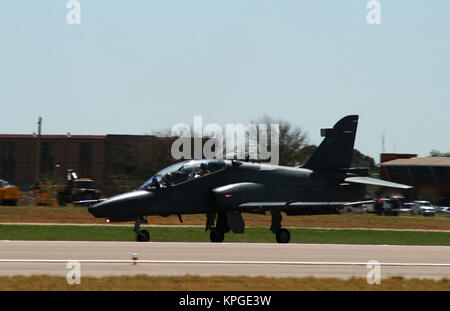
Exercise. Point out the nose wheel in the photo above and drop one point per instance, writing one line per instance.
(141, 235)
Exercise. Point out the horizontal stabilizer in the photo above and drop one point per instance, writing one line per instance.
(376, 182)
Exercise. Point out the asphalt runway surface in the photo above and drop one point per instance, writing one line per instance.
(205, 259)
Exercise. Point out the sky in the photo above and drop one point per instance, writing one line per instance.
(141, 66)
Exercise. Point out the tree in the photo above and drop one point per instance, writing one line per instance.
(437, 153)
(292, 141)
(361, 160)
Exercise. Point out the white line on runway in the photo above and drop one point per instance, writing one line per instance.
(221, 262)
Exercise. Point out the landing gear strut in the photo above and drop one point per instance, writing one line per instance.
(141, 235)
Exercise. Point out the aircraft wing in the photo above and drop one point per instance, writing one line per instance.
(262, 205)
(376, 182)
(290, 205)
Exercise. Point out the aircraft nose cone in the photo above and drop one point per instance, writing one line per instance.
(101, 209)
(91, 210)
(123, 205)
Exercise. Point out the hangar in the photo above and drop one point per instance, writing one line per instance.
(430, 176)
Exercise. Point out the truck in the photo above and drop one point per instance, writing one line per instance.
(77, 189)
(9, 194)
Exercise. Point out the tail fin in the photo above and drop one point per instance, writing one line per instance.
(336, 150)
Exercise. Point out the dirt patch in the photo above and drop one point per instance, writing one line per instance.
(218, 283)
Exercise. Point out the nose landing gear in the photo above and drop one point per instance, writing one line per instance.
(141, 235)
(217, 234)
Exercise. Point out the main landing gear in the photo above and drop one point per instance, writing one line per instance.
(282, 235)
(141, 235)
(216, 237)
(222, 226)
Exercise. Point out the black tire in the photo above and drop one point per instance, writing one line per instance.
(216, 237)
(144, 236)
(283, 236)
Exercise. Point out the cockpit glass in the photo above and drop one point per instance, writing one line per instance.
(183, 171)
(207, 166)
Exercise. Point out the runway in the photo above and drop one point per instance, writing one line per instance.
(251, 259)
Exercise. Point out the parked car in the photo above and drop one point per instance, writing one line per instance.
(406, 207)
(442, 209)
(423, 208)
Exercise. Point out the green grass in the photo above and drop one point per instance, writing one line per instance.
(198, 234)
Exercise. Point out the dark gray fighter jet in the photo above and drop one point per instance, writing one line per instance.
(224, 189)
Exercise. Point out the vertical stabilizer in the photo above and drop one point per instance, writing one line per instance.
(336, 150)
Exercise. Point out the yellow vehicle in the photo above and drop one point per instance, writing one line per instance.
(9, 194)
(45, 194)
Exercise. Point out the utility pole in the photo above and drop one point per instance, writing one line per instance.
(38, 151)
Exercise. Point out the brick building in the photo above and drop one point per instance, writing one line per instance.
(114, 161)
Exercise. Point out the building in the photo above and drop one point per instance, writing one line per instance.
(430, 176)
(116, 162)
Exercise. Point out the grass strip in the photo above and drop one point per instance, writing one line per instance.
(197, 234)
(217, 283)
(80, 215)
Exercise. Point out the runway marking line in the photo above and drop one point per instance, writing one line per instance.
(220, 262)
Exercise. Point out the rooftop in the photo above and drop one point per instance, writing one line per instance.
(30, 136)
(428, 161)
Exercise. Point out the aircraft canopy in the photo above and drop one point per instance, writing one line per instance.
(183, 171)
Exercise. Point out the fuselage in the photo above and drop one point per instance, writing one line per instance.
(187, 188)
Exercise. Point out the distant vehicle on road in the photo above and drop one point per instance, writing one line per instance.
(423, 208)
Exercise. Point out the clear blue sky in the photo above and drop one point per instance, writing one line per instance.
(135, 67)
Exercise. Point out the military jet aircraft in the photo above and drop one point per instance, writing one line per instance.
(224, 189)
